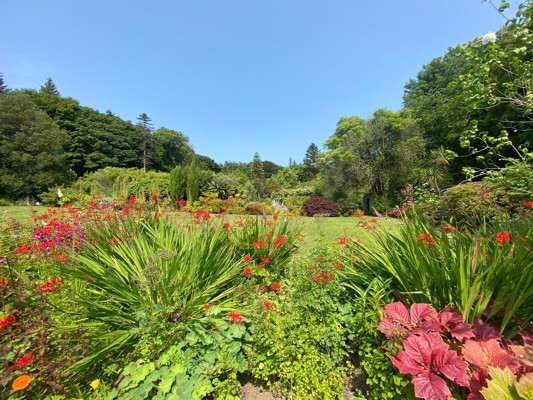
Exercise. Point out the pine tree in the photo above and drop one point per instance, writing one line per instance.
(145, 123)
(311, 155)
(3, 87)
(50, 88)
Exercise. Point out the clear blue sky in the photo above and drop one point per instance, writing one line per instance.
(235, 76)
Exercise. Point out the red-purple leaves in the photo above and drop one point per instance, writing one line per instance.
(425, 355)
(483, 353)
(400, 321)
(426, 337)
(430, 386)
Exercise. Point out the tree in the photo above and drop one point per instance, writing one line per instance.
(502, 87)
(193, 181)
(96, 140)
(50, 88)
(3, 87)
(310, 163)
(311, 154)
(376, 156)
(145, 123)
(171, 148)
(31, 149)
(257, 175)
(178, 183)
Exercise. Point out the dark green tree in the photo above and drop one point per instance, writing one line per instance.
(31, 149)
(145, 124)
(96, 140)
(3, 86)
(257, 175)
(171, 148)
(310, 166)
(193, 181)
(50, 88)
(178, 183)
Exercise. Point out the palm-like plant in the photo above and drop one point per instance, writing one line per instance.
(148, 279)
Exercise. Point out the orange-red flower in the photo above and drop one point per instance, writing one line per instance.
(235, 316)
(25, 360)
(276, 286)
(21, 382)
(247, 258)
(503, 237)
(247, 271)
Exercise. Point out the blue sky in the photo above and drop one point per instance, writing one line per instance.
(235, 76)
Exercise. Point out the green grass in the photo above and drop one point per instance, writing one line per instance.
(315, 230)
(20, 213)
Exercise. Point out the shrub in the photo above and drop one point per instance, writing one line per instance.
(472, 203)
(319, 206)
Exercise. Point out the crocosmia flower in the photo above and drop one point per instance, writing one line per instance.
(503, 237)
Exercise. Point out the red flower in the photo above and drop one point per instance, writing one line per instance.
(268, 305)
(503, 237)
(6, 321)
(338, 264)
(276, 286)
(255, 207)
(235, 316)
(22, 249)
(247, 258)
(342, 240)
(275, 217)
(265, 260)
(358, 213)
(226, 225)
(279, 241)
(269, 235)
(3, 283)
(154, 196)
(528, 204)
(262, 288)
(317, 277)
(426, 236)
(247, 271)
(449, 228)
(207, 306)
(259, 244)
(114, 240)
(132, 199)
(22, 361)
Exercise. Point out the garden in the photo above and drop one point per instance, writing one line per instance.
(397, 263)
(135, 300)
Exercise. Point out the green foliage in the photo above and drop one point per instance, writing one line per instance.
(504, 385)
(112, 182)
(178, 183)
(477, 273)
(144, 281)
(378, 155)
(205, 362)
(306, 365)
(31, 149)
(381, 379)
(472, 203)
(193, 181)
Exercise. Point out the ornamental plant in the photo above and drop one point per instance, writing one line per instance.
(487, 272)
(321, 207)
(445, 355)
(139, 283)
